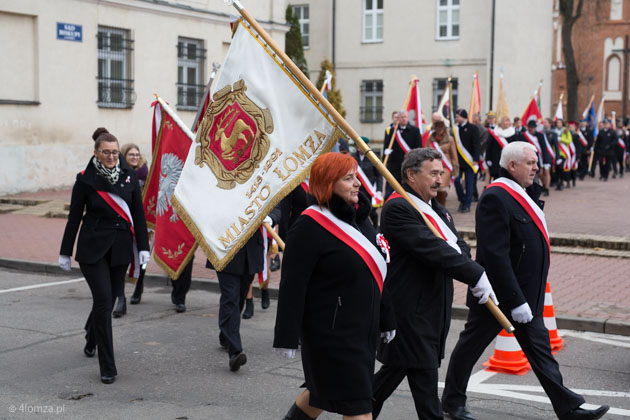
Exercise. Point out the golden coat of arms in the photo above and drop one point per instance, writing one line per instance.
(233, 136)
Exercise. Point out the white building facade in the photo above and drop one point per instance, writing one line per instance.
(70, 66)
(377, 46)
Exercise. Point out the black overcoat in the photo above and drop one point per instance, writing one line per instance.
(412, 137)
(102, 228)
(469, 137)
(512, 249)
(419, 283)
(329, 299)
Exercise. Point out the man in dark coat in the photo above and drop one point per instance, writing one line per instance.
(605, 149)
(513, 246)
(545, 160)
(234, 281)
(373, 176)
(468, 140)
(411, 135)
(419, 283)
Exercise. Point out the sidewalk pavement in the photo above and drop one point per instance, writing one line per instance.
(589, 287)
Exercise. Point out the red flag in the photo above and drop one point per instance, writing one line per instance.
(174, 245)
(415, 105)
(531, 110)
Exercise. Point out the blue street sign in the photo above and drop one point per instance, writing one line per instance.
(69, 32)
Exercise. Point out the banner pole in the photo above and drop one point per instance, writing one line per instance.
(343, 124)
(274, 235)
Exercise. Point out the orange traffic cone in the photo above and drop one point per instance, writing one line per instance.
(508, 356)
(557, 343)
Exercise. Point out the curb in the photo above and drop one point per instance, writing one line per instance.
(607, 326)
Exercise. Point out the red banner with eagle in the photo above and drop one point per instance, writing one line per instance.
(174, 245)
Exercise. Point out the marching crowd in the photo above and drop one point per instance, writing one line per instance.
(357, 286)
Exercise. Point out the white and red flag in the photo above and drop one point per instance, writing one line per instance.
(256, 143)
(531, 111)
(559, 115)
(377, 196)
(415, 105)
(174, 245)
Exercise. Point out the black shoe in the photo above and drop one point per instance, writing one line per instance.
(614, 176)
(137, 292)
(106, 379)
(559, 187)
(465, 210)
(249, 309)
(180, 307)
(275, 263)
(582, 414)
(121, 308)
(460, 207)
(237, 361)
(264, 302)
(296, 413)
(89, 351)
(546, 192)
(458, 413)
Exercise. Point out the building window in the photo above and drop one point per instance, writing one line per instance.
(613, 73)
(447, 19)
(372, 101)
(439, 86)
(616, 9)
(302, 14)
(115, 68)
(190, 69)
(372, 20)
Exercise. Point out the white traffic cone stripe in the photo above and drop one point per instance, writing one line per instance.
(507, 344)
(548, 299)
(550, 323)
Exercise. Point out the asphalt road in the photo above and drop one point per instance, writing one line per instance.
(171, 366)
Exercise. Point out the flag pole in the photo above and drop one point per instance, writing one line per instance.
(343, 124)
(274, 235)
(198, 117)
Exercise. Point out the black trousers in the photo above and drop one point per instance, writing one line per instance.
(583, 165)
(480, 329)
(181, 286)
(103, 281)
(604, 166)
(422, 382)
(234, 289)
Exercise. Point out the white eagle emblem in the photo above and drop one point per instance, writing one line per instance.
(170, 171)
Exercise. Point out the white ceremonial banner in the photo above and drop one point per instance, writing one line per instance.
(256, 143)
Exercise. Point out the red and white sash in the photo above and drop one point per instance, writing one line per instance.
(582, 138)
(502, 142)
(402, 143)
(371, 189)
(304, 185)
(442, 228)
(445, 162)
(533, 140)
(567, 152)
(531, 208)
(353, 238)
(621, 143)
(574, 162)
(549, 148)
(120, 206)
(263, 276)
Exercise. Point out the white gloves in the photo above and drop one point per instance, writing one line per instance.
(144, 257)
(268, 220)
(286, 353)
(558, 162)
(388, 336)
(483, 290)
(387, 151)
(64, 262)
(522, 313)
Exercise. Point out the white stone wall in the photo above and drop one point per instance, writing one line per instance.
(43, 146)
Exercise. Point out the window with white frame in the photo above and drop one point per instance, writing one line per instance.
(115, 68)
(372, 20)
(190, 69)
(447, 19)
(301, 12)
(372, 101)
(439, 86)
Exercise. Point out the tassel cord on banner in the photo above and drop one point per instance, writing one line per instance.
(344, 126)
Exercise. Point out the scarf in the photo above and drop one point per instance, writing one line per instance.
(109, 174)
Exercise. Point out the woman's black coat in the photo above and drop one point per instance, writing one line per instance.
(102, 228)
(329, 298)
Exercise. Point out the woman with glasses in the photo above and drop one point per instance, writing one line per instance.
(113, 229)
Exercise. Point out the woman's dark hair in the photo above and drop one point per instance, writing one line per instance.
(100, 135)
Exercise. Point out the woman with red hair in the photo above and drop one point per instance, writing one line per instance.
(330, 294)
